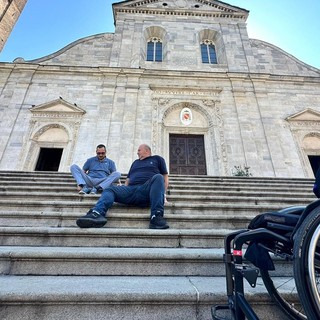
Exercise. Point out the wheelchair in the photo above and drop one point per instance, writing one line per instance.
(291, 236)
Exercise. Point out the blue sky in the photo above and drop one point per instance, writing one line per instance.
(46, 26)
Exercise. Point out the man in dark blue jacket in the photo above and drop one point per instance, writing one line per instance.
(145, 185)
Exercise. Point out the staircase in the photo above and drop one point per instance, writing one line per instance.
(51, 269)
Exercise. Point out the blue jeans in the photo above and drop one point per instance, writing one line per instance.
(151, 193)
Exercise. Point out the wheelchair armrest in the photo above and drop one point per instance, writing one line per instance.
(259, 234)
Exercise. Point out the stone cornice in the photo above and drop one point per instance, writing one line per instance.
(182, 12)
(213, 4)
(205, 9)
(141, 72)
(57, 109)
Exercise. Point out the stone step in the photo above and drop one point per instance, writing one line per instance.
(130, 261)
(117, 219)
(20, 179)
(177, 201)
(125, 298)
(25, 178)
(109, 237)
(68, 189)
(187, 205)
(55, 174)
(214, 194)
(51, 269)
(86, 261)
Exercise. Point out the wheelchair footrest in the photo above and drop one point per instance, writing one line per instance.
(221, 312)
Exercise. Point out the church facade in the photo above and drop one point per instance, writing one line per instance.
(180, 75)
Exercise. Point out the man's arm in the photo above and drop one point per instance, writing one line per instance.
(166, 181)
(87, 165)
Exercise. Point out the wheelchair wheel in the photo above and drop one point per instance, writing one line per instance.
(276, 287)
(307, 263)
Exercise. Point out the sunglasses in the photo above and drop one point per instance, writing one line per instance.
(100, 153)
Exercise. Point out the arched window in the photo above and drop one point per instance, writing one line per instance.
(154, 49)
(208, 52)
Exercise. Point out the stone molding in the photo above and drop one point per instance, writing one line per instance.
(56, 114)
(213, 129)
(300, 125)
(181, 9)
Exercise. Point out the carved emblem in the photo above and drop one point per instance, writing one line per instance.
(186, 116)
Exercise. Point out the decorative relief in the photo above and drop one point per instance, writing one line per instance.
(218, 116)
(185, 91)
(46, 128)
(310, 124)
(210, 103)
(163, 102)
(180, 3)
(56, 115)
(313, 134)
(155, 128)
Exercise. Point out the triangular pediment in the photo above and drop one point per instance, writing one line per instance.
(205, 8)
(305, 115)
(57, 106)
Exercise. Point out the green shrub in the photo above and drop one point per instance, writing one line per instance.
(241, 172)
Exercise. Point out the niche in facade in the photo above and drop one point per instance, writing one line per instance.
(305, 127)
(52, 135)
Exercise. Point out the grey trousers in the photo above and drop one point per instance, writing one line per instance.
(82, 178)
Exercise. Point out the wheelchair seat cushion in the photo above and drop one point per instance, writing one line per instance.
(282, 221)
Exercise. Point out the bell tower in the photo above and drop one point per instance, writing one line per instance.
(10, 11)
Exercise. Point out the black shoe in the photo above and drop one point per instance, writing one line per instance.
(158, 222)
(93, 219)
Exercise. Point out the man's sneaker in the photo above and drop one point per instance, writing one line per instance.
(93, 219)
(158, 222)
(93, 191)
(85, 190)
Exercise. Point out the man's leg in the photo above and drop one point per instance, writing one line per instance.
(96, 217)
(80, 176)
(107, 182)
(156, 196)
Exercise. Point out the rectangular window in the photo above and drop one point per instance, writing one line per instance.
(204, 53)
(212, 51)
(154, 51)
(150, 51)
(158, 55)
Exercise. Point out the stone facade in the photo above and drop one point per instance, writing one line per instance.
(10, 11)
(258, 106)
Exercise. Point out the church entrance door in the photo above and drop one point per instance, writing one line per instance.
(49, 159)
(187, 154)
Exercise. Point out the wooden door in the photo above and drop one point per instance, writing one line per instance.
(187, 154)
